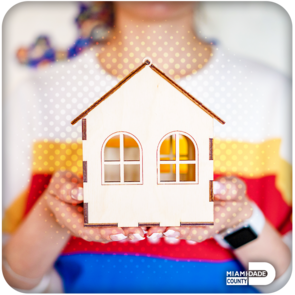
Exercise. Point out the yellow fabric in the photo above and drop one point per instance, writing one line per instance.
(254, 160)
(13, 215)
(49, 157)
(250, 160)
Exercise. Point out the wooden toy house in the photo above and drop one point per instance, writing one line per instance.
(147, 154)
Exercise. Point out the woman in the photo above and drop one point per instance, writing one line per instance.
(95, 260)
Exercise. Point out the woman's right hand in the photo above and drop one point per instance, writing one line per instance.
(64, 197)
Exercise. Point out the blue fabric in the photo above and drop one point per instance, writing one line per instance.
(49, 55)
(98, 273)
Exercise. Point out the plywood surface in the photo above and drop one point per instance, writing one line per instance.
(148, 107)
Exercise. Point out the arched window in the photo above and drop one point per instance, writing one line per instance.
(177, 159)
(121, 159)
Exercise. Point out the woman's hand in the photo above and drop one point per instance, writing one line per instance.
(231, 207)
(64, 197)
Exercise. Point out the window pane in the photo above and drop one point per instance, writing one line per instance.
(112, 173)
(132, 173)
(167, 172)
(131, 149)
(167, 149)
(186, 148)
(187, 172)
(112, 149)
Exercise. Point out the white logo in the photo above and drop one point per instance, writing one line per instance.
(259, 273)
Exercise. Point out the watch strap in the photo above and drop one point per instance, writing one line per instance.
(255, 223)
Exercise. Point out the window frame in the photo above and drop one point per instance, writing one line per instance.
(122, 162)
(177, 162)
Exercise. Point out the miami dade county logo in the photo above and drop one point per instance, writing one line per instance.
(258, 273)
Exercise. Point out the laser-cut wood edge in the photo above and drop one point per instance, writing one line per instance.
(195, 223)
(149, 224)
(145, 224)
(211, 195)
(210, 148)
(159, 72)
(85, 212)
(84, 171)
(100, 224)
(84, 129)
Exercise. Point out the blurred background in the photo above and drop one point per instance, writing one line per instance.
(35, 33)
(261, 29)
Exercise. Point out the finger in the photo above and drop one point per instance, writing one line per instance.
(67, 186)
(71, 217)
(113, 234)
(134, 233)
(67, 215)
(144, 229)
(193, 233)
(156, 232)
(230, 214)
(229, 188)
(172, 232)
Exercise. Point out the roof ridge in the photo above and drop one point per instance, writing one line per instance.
(164, 76)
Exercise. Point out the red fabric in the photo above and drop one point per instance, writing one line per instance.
(39, 183)
(265, 194)
(208, 250)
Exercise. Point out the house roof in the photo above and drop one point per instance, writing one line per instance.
(159, 72)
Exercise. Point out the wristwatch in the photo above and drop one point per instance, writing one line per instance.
(249, 230)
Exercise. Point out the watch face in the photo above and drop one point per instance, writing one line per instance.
(241, 237)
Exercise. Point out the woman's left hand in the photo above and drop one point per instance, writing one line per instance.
(231, 207)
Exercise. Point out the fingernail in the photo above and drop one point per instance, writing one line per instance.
(218, 187)
(155, 236)
(171, 233)
(190, 242)
(77, 193)
(170, 240)
(137, 237)
(144, 229)
(118, 237)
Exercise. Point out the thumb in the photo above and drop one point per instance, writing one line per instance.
(67, 187)
(77, 193)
